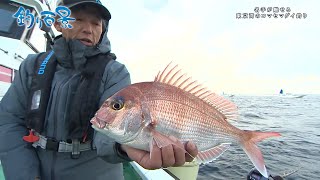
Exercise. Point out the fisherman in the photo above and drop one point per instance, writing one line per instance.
(44, 117)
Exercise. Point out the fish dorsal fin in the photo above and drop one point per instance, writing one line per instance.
(173, 76)
(210, 155)
(224, 106)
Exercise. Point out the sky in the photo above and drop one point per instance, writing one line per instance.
(208, 42)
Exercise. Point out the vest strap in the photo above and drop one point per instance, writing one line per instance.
(44, 69)
(75, 147)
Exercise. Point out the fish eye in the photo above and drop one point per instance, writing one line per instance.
(117, 105)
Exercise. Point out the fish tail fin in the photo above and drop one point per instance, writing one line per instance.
(248, 143)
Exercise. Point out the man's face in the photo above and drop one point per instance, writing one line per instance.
(87, 27)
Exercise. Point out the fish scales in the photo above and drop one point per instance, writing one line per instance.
(189, 118)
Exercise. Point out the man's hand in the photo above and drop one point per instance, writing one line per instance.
(162, 157)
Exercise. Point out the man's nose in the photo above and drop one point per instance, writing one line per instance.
(87, 28)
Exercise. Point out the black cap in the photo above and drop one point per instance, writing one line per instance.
(71, 3)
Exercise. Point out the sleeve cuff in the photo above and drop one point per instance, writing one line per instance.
(120, 152)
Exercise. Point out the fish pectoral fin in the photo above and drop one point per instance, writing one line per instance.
(209, 155)
(163, 140)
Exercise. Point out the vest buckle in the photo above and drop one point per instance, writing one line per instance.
(52, 144)
(75, 154)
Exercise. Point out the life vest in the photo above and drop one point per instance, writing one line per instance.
(84, 103)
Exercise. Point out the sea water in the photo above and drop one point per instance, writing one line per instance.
(298, 121)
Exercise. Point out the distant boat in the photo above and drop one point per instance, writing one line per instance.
(227, 95)
(281, 91)
(296, 95)
(289, 95)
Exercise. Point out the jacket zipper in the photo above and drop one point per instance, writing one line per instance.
(54, 158)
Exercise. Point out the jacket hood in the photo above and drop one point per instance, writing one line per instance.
(71, 53)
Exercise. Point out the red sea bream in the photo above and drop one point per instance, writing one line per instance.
(173, 105)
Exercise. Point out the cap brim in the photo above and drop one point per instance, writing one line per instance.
(105, 12)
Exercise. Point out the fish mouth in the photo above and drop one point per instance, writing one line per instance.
(98, 123)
